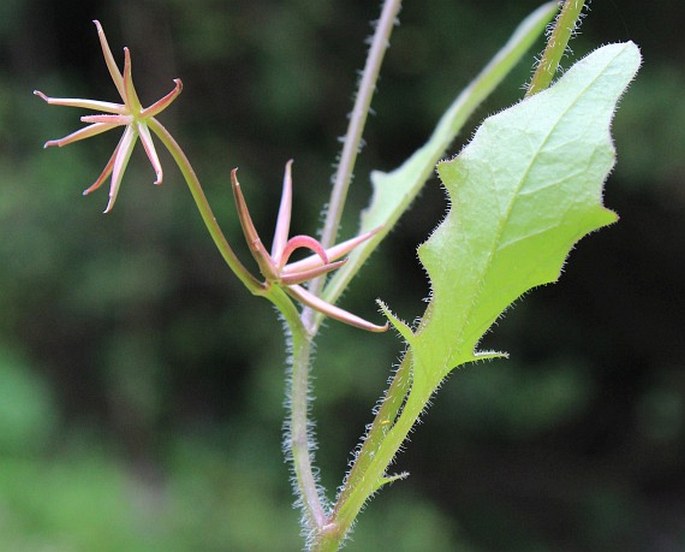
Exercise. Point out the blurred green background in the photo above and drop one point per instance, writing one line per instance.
(141, 390)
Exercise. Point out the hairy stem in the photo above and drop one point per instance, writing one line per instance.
(564, 26)
(355, 129)
(298, 442)
(297, 438)
(382, 424)
(373, 473)
(250, 282)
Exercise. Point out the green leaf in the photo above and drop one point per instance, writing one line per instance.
(526, 188)
(522, 193)
(393, 192)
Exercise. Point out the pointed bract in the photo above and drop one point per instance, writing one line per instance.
(284, 212)
(332, 311)
(334, 252)
(161, 104)
(114, 72)
(298, 242)
(121, 159)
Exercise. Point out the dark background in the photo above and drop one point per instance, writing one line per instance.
(141, 388)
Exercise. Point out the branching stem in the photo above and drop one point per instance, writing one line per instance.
(300, 340)
(403, 402)
(298, 438)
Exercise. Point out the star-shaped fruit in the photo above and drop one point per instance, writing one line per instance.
(275, 267)
(130, 114)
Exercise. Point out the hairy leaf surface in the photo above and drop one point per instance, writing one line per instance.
(522, 193)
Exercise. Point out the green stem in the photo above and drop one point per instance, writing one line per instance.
(353, 137)
(250, 282)
(382, 424)
(297, 438)
(373, 474)
(564, 26)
